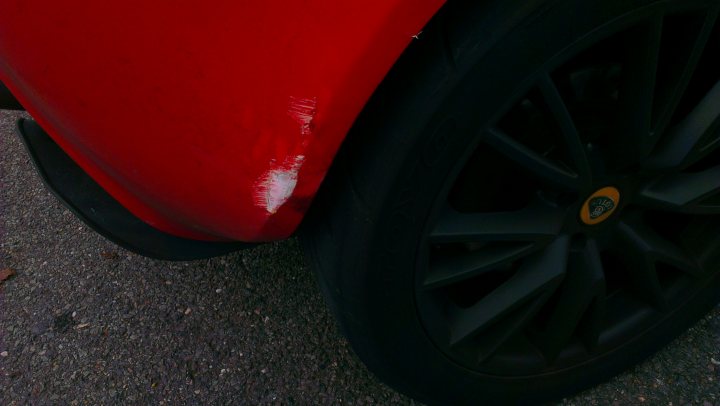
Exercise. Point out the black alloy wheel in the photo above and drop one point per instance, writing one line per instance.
(591, 208)
(530, 204)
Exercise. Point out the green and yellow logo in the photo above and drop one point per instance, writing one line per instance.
(600, 205)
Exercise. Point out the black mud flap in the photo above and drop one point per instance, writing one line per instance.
(91, 203)
(7, 100)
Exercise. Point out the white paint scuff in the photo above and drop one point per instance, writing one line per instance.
(277, 184)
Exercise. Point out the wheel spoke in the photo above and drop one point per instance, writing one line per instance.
(583, 286)
(695, 193)
(538, 274)
(591, 325)
(637, 91)
(668, 106)
(694, 137)
(656, 248)
(637, 253)
(570, 133)
(531, 160)
(538, 224)
(454, 268)
(490, 341)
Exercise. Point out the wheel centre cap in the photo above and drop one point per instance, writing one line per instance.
(600, 206)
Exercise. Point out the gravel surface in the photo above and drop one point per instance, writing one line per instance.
(84, 322)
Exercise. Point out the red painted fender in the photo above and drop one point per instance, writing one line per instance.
(208, 120)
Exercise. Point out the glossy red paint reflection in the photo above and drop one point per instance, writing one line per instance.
(209, 120)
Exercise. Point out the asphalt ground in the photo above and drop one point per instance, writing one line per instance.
(85, 322)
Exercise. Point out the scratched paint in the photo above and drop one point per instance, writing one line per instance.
(303, 111)
(275, 187)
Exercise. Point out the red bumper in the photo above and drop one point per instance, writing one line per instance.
(213, 121)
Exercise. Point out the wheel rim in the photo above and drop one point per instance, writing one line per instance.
(598, 208)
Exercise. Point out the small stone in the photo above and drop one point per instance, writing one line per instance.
(4, 354)
(188, 311)
(218, 290)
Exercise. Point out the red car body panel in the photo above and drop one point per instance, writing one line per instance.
(213, 121)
